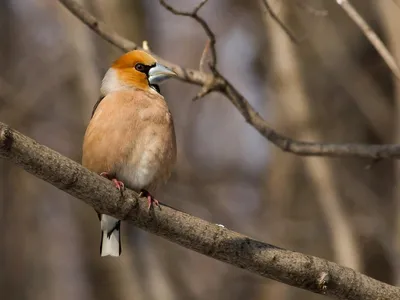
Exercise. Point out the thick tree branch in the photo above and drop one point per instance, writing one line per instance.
(217, 82)
(296, 269)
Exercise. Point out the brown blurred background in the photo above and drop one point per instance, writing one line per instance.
(332, 87)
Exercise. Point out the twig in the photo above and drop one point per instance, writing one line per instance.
(145, 46)
(98, 26)
(221, 84)
(275, 17)
(305, 148)
(293, 268)
(204, 56)
(124, 44)
(211, 84)
(371, 36)
(194, 15)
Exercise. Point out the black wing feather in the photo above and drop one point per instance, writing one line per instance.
(97, 104)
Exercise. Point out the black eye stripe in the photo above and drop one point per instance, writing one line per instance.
(143, 68)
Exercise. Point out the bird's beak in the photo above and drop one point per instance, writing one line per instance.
(159, 73)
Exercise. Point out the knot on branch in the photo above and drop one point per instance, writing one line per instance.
(322, 282)
(6, 139)
(214, 83)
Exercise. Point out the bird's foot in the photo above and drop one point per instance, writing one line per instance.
(150, 199)
(118, 184)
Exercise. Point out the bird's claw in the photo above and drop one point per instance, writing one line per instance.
(150, 199)
(118, 184)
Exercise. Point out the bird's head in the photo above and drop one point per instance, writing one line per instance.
(136, 69)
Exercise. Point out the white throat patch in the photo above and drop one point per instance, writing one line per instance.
(111, 83)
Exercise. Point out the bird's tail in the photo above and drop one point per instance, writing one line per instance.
(110, 236)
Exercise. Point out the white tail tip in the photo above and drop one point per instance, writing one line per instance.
(110, 243)
(110, 236)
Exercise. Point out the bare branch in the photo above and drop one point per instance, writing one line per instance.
(124, 44)
(98, 26)
(296, 269)
(275, 17)
(211, 84)
(193, 14)
(199, 6)
(204, 56)
(371, 36)
(305, 148)
(217, 82)
(145, 46)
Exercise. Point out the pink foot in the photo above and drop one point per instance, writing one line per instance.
(150, 199)
(118, 184)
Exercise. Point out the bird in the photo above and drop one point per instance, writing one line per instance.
(130, 138)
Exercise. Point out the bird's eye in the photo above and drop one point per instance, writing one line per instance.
(140, 67)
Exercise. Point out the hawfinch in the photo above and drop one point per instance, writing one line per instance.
(130, 138)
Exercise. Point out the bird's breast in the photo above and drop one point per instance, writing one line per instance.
(151, 158)
(132, 136)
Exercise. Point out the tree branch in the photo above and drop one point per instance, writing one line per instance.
(124, 44)
(282, 25)
(371, 36)
(194, 15)
(210, 85)
(217, 82)
(296, 269)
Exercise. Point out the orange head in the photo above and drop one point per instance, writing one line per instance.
(136, 69)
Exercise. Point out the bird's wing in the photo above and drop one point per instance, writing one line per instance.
(96, 104)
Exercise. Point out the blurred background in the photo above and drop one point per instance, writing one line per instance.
(331, 87)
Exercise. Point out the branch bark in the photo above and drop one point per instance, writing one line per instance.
(296, 269)
(215, 82)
